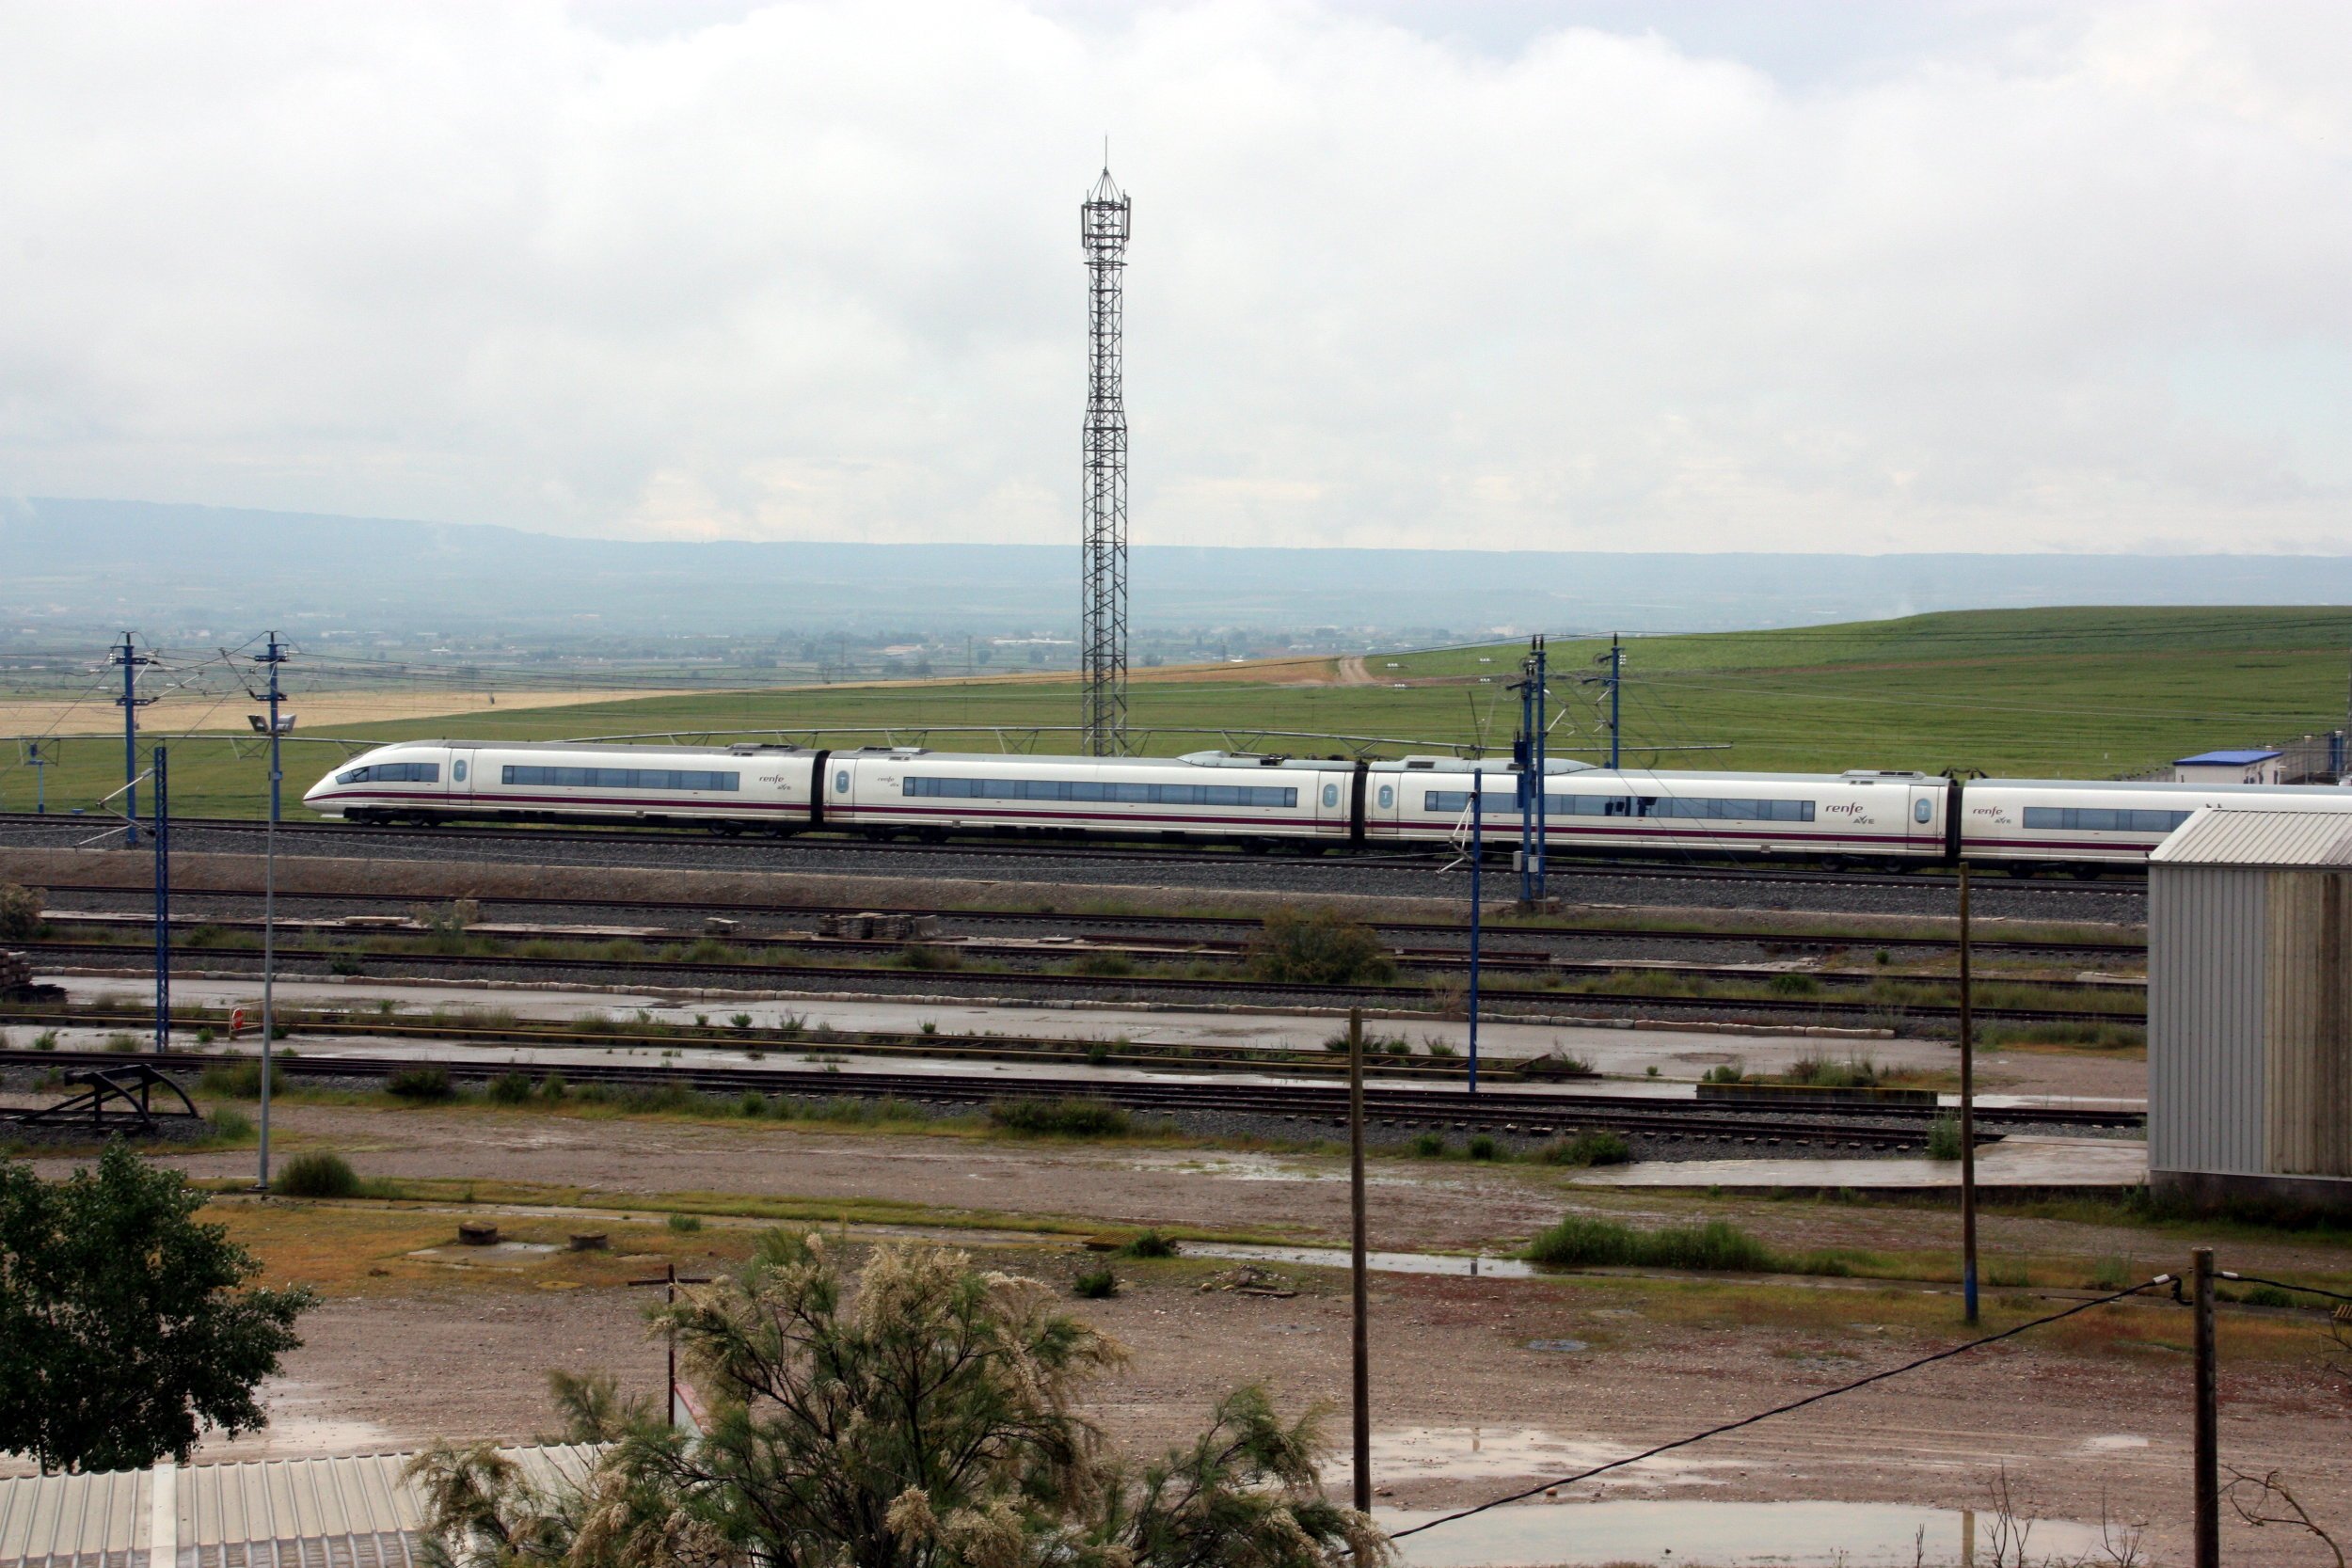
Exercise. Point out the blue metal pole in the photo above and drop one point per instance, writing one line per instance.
(1526, 750)
(163, 904)
(1536, 754)
(1478, 877)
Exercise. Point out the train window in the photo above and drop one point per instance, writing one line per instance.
(1094, 790)
(1922, 809)
(841, 780)
(393, 772)
(620, 778)
(1330, 795)
(457, 770)
(2098, 820)
(1504, 803)
(1388, 796)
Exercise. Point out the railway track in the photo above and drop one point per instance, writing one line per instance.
(1512, 1114)
(2121, 883)
(1501, 930)
(1225, 951)
(691, 975)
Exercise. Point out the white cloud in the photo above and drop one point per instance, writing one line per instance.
(2039, 279)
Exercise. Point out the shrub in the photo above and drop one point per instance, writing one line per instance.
(508, 1088)
(1107, 966)
(419, 1083)
(321, 1174)
(204, 1035)
(1440, 1049)
(738, 1021)
(1723, 1072)
(1095, 1285)
(1582, 1241)
(232, 1080)
(684, 1225)
(1559, 1064)
(1483, 1147)
(929, 955)
(753, 1105)
(122, 1044)
(1070, 1119)
(1318, 947)
(1793, 984)
(1149, 1243)
(1589, 1147)
(1819, 1072)
(1428, 1145)
(2267, 1295)
(230, 1124)
(45, 1040)
(1943, 1138)
(552, 1087)
(20, 912)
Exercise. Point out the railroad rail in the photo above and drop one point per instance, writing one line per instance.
(2122, 881)
(652, 972)
(1510, 1114)
(1503, 927)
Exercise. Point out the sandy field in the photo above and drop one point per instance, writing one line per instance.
(1478, 1381)
(46, 716)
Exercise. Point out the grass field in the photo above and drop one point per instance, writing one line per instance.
(2083, 693)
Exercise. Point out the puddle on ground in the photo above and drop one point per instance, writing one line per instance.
(1720, 1534)
(2113, 1443)
(1260, 1167)
(1380, 1262)
(508, 1253)
(1404, 1454)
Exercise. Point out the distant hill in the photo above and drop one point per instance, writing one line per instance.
(160, 566)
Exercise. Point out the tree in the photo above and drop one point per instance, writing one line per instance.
(927, 1423)
(124, 1331)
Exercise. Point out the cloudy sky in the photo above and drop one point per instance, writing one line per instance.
(1689, 277)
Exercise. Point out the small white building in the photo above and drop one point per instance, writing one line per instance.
(2249, 1008)
(2230, 767)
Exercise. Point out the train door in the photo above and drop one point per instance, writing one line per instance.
(1383, 804)
(1334, 795)
(460, 784)
(1923, 822)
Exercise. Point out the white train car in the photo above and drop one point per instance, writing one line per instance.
(1835, 817)
(2091, 822)
(1207, 795)
(426, 780)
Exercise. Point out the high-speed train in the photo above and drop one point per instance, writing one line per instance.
(1224, 796)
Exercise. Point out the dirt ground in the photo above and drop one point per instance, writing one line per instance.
(1477, 1382)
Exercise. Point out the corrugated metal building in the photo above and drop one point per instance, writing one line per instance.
(352, 1511)
(2249, 1007)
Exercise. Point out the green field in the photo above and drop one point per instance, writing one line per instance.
(2080, 693)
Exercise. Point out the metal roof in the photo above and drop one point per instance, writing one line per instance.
(2228, 835)
(355, 1510)
(2224, 759)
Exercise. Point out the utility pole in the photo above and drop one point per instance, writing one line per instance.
(274, 655)
(1361, 1351)
(127, 655)
(1616, 679)
(1531, 760)
(1103, 224)
(1967, 1112)
(163, 904)
(1478, 878)
(2208, 1436)
(38, 759)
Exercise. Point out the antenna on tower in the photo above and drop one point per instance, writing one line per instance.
(1103, 230)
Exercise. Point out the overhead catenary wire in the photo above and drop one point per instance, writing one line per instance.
(1911, 1366)
(2282, 1285)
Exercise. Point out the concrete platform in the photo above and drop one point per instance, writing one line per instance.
(2015, 1163)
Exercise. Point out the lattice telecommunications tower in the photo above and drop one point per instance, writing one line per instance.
(1103, 220)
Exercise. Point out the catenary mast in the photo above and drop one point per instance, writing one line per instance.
(1103, 226)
